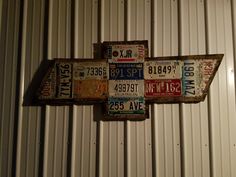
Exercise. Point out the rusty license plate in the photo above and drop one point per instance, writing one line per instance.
(90, 89)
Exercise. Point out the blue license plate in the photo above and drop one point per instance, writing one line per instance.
(126, 71)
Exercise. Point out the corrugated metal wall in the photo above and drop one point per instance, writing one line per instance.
(179, 140)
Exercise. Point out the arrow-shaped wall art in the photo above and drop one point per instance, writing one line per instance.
(126, 80)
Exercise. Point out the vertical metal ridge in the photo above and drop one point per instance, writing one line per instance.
(209, 94)
(59, 43)
(9, 27)
(43, 108)
(230, 64)
(233, 15)
(152, 116)
(75, 34)
(3, 42)
(3, 31)
(17, 92)
(182, 156)
(126, 123)
(47, 154)
(233, 22)
(1, 5)
(21, 92)
(99, 133)
(69, 165)
(84, 154)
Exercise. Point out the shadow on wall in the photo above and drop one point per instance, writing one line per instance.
(30, 98)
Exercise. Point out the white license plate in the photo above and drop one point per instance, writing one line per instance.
(191, 78)
(127, 53)
(169, 69)
(90, 70)
(126, 88)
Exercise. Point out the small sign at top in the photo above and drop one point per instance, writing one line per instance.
(122, 52)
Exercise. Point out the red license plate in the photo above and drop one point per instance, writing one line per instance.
(163, 87)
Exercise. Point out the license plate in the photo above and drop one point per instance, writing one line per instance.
(48, 88)
(127, 71)
(191, 78)
(126, 88)
(163, 87)
(169, 69)
(90, 70)
(206, 71)
(125, 53)
(126, 106)
(64, 79)
(90, 89)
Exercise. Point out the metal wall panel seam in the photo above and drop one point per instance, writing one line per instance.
(182, 148)
(176, 147)
(136, 130)
(233, 121)
(152, 107)
(175, 108)
(3, 38)
(227, 55)
(196, 134)
(21, 92)
(91, 146)
(4, 70)
(65, 144)
(93, 123)
(87, 160)
(74, 142)
(47, 143)
(211, 172)
(28, 153)
(9, 89)
(226, 131)
(203, 112)
(133, 127)
(110, 31)
(88, 122)
(154, 31)
(1, 14)
(68, 25)
(167, 18)
(60, 114)
(43, 164)
(77, 109)
(34, 124)
(148, 124)
(54, 161)
(3, 30)
(202, 159)
(82, 140)
(51, 109)
(230, 101)
(230, 83)
(101, 14)
(169, 47)
(233, 14)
